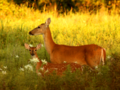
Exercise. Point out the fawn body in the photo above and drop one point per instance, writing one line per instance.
(50, 67)
(90, 55)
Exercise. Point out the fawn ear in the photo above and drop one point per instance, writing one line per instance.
(38, 46)
(48, 22)
(27, 46)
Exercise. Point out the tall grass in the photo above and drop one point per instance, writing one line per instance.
(73, 29)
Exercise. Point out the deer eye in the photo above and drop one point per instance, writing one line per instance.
(38, 26)
(35, 50)
(29, 50)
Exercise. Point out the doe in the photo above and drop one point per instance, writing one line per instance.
(91, 55)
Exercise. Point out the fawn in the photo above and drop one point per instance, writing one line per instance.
(50, 67)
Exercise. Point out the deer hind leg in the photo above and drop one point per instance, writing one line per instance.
(94, 61)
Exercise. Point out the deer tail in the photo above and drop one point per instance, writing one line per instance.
(103, 56)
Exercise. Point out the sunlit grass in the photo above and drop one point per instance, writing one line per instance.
(76, 29)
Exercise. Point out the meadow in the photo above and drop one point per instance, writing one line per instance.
(73, 29)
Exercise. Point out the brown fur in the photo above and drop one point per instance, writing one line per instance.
(50, 67)
(84, 55)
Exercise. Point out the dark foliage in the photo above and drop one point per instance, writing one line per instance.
(64, 6)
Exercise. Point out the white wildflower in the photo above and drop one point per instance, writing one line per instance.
(21, 69)
(39, 73)
(0, 69)
(4, 72)
(96, 67)
(64, 62)
(46, 71)
(34, 60)
(30, 45)
(108, 57)
(5, 67)
(99, 73)
(44, 61)
(42, 68)
(76, 62)
(17, 56)
(29, 67)
(42, 45)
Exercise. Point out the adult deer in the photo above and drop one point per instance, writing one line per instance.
(50, 67)
(90, 55)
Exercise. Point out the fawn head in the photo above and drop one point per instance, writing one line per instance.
(41, 29)
(32, 50)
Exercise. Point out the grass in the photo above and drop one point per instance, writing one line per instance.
(73, 29)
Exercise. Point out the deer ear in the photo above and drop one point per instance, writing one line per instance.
(48, 22)
(26, 46)
(38, 46)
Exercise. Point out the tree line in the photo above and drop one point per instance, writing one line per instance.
(65, 6)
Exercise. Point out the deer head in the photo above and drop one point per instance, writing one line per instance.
(41, 29)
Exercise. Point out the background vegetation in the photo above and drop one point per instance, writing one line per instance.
(74, 26)
(64, 6)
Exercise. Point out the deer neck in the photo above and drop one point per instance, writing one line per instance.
(48, 41)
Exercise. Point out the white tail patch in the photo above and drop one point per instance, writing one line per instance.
(104, 49)
(102, 56)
